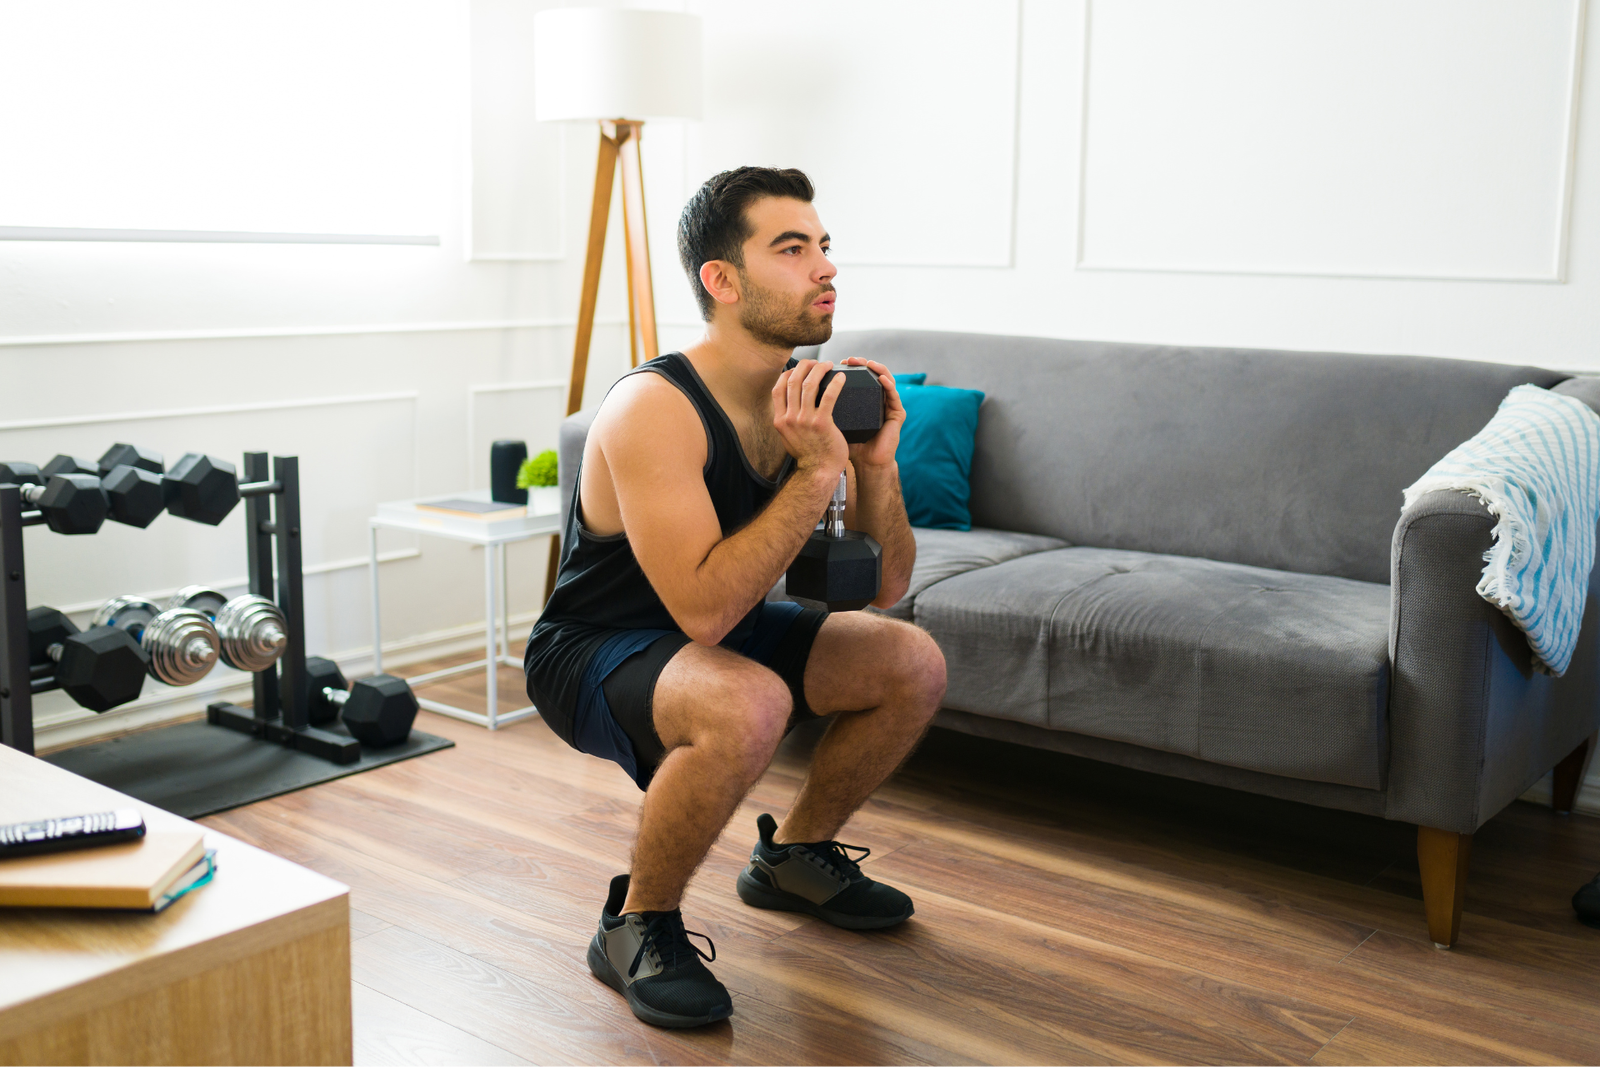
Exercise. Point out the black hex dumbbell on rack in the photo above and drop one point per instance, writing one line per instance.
(378, 711)
(201, 488)
(100, 668)
(130, 476)
(70, 503)
(76, 497)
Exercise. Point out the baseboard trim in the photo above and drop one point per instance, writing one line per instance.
(77, 726)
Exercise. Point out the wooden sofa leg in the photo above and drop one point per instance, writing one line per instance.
(1442, 855)
(1568, 777)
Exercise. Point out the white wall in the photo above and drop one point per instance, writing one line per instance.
(1332, 148)
(384, 368)
(1333, 174)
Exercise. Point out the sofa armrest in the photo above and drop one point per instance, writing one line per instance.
(1585, 387)
(1471, 724)
(569, 454)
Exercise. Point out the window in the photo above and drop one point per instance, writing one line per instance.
(197, 120)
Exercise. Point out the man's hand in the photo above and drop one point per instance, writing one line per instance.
(806, 426)
(879, 451)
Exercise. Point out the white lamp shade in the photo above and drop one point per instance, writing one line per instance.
(599, 63)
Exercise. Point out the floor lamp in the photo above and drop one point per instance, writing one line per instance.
(591, 64)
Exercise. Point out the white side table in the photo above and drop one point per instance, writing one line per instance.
(542, 520)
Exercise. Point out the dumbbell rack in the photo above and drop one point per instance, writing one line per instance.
(282, 696)
(282, 693)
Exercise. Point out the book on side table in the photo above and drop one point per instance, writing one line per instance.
(487, 510)
(145, 875)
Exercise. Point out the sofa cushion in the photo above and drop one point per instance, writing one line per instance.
(1268, 670)
(943, 554)
(935, 454)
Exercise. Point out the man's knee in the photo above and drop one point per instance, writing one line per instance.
(745, 715)
(921, 666)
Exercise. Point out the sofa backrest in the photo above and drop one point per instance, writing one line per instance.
(1289, 460)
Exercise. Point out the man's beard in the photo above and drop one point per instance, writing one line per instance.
(773, 321)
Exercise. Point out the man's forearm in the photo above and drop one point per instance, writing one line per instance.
(881, 513)
(743, 567)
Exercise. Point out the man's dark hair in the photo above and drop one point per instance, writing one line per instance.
(713, 223)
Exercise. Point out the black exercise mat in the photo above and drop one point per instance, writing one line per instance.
(194, 768)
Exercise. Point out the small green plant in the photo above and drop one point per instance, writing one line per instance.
(537, 470)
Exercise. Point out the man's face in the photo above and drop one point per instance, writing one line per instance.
(786, 285)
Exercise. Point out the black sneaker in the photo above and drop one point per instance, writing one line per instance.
(819, 879)
(1586, 902)
(648, 958)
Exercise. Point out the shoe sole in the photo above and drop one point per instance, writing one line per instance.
(757, 895)
(600, 966)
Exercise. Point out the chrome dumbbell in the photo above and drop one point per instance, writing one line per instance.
(182, 643)
(251, 629)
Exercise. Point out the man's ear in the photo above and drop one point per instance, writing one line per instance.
(720, 280)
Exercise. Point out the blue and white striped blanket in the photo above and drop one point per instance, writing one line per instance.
(1536, 466)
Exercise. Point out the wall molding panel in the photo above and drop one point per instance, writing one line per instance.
(935, 94)
(475, 454)
(251, 333)
(218, 409)
(232, 237)
(516, 195)
(86, 607)
(1451, 158)
(342, 484)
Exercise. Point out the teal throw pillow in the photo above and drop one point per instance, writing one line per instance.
(935, 454)
(909, 379)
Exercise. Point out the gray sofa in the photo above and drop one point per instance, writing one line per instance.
(1194, 562)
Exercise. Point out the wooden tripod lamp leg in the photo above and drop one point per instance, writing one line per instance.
(642, 294)
(633, 315)
(599, 215)
(1442, 855)
(617, 138)
(605, 171)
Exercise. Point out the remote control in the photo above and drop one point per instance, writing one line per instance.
(76, 831)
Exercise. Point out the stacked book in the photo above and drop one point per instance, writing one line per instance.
(483, 510)
(145, 874)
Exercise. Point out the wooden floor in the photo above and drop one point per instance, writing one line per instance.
(1067, 912)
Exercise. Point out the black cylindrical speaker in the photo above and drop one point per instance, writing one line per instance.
(505, 459)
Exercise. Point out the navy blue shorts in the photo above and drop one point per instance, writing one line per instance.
(615, 717)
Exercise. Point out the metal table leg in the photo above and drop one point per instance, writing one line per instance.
(497, 643)
(492, 638)
(505, 606)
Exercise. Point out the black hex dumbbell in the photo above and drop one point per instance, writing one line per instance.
(100, 669)
(201, 488)
(837, 569)
(123, 455)
(378, 711)
(858, 411)
(131, 495)
(131, 477)
(324, 676)
(71, 503)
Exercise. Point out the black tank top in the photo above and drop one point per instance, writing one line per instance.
(601, 588)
